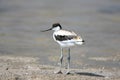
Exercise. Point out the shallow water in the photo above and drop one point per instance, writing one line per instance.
(97, 21)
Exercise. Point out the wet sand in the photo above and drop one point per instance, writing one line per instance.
(28, 68)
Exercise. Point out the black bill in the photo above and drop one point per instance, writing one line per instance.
(46, 30)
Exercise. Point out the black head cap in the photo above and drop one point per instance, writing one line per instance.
(56, 24)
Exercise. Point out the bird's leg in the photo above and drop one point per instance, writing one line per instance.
(61, 60)
(68, 58)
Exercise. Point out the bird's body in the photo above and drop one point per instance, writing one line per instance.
(65, 39)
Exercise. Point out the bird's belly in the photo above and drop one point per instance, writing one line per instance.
(66, 44)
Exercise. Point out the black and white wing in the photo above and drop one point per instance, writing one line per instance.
(63, 35)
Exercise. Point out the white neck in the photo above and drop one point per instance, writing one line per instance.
(56, 28)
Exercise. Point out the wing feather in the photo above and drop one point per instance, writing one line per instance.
(63, 35)
(64, 38)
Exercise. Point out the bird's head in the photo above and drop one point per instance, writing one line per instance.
(55, 27)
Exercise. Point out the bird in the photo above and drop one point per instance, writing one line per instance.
(65, 39)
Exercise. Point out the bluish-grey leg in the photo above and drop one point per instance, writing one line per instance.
(61, 60)
(68, 58)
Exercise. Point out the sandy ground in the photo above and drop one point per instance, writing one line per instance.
(28, 68)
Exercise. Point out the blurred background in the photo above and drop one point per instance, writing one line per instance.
(97, 21)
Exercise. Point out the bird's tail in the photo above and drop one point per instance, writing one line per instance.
(79, 40)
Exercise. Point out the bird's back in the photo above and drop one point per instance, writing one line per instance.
(65, 33)
(66, 38)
